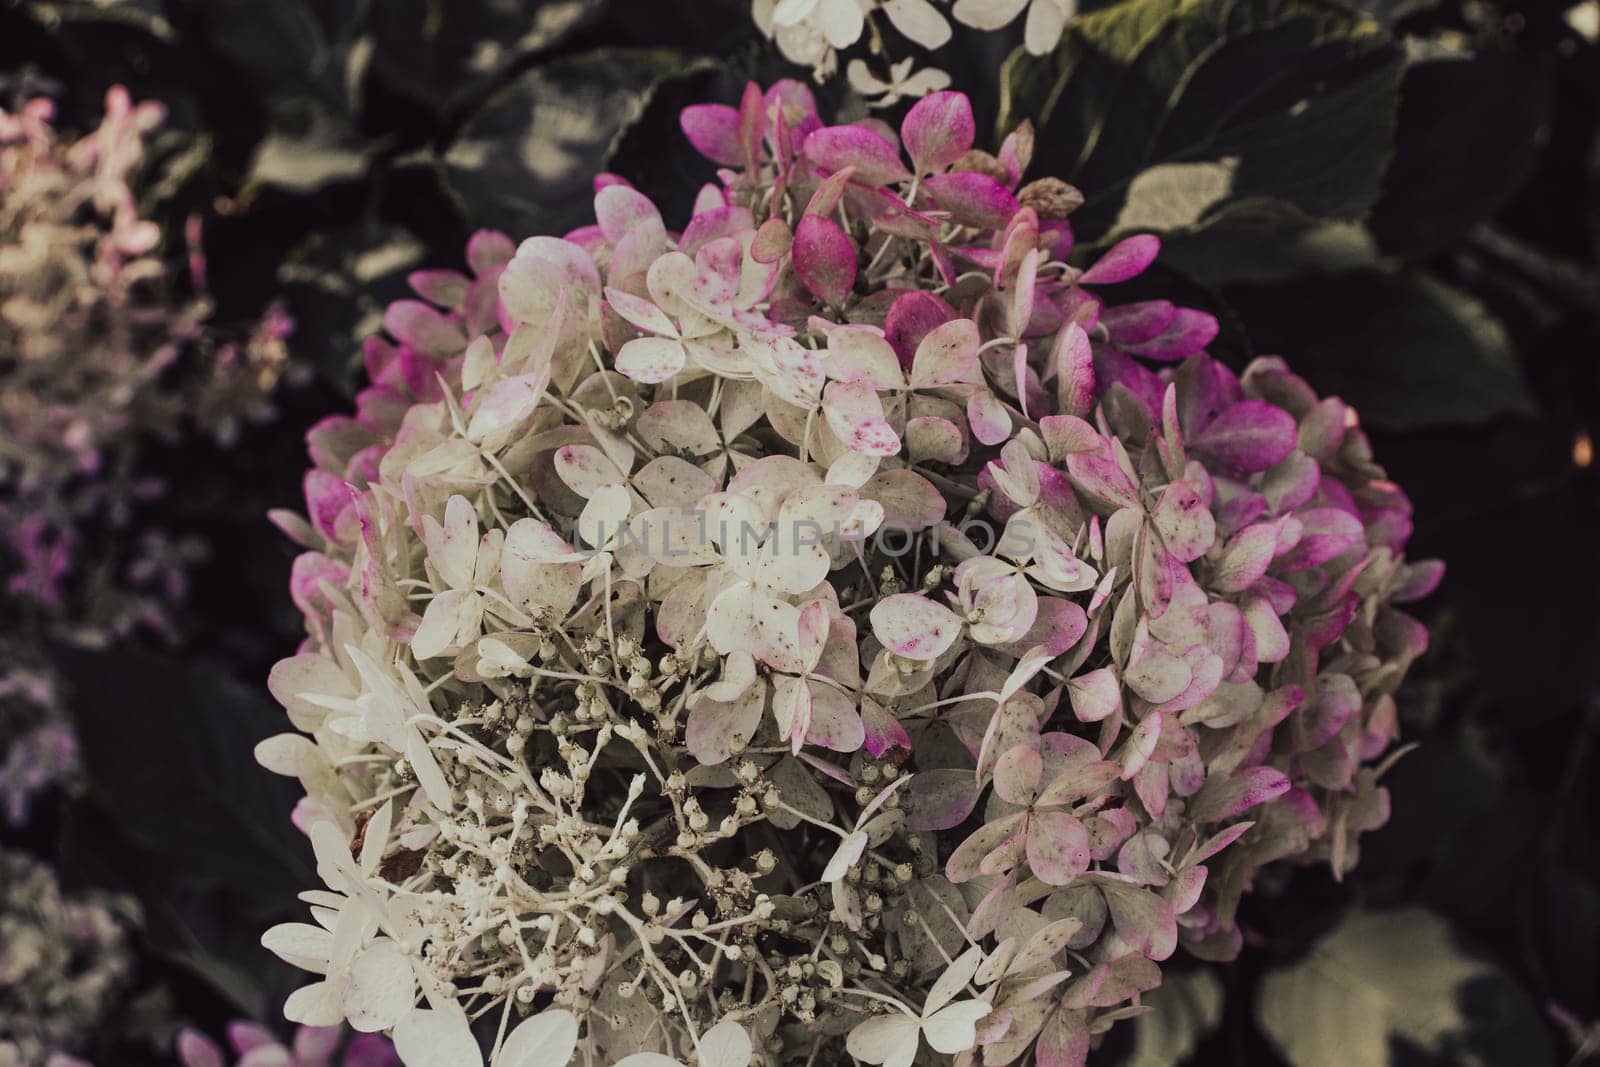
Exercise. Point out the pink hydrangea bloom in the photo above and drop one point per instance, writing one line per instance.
(838, 624)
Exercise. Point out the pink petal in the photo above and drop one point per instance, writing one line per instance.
(1074, 363)
(1132, 324)
(620, 209)
(911, 318)
(915, 627)
(988, 418)
(1058, 846)
(946, 354)
(855, 414)
(713, 129)
(824, 259)
(883, 732)
(1185, 524)
(488, 249)
(446, 288)
(973, 199)
(425, 329)
(1249, 436)
(938, 130)
(1245, 790)
(1188, 334)
(1126, 259)
(877, 162)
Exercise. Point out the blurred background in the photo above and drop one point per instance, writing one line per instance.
(1412, 219)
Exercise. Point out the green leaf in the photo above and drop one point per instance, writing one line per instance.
(168, 749)
(1407, 349)
(1387, 985)
(1184, 1009)
(1170, 113)
(1471, 127)
(338, 284)
(525, 162)
(308, 148)
(652, 152)
(434, 52)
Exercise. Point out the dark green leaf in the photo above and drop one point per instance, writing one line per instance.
(1470, 130)
(1184, 1009)
(338, 285)
(1384, 986)
(525, 162)
(309, 148)
(1406, 349)
(168, 747)
(1168, 114)
(437, 51)
(652, 151)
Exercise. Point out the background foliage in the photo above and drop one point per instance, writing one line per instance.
(1401, 196)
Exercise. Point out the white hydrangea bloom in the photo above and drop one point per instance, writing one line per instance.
(812, 33)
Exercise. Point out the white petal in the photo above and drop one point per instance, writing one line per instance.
(375, 838)
(456, 548)
(845, 856)
(545, 1040)
(887, 1039)
(429, 776)
(1046, 20)
(605, 515)
(651, 359)
(792, 12)
(641, 313)
(382, 988)
(954, 1029)
(301, 944)
(987, 14)
(915, 627)
(439, 1038)
(841, 22)
(918, 20)
(953, 980)
(726, 1045)
(317, 1004)
(437, 633)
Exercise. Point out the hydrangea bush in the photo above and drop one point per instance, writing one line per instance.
(65, 963)
(812, 33)
(99, 355)
(837, 628)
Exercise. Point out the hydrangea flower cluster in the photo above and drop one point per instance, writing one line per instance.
(812, 33)
(834, 627)
(313, 1046)
(41, 749)
(98, 355)
(65, 963)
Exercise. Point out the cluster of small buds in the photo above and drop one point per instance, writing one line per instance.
(834, 627)
(65, 963)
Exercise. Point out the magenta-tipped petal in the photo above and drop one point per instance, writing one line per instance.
(824, 259)
(876, 161)
(1127, 259)
(713, 129)
(938, 130)
(1249, 436)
